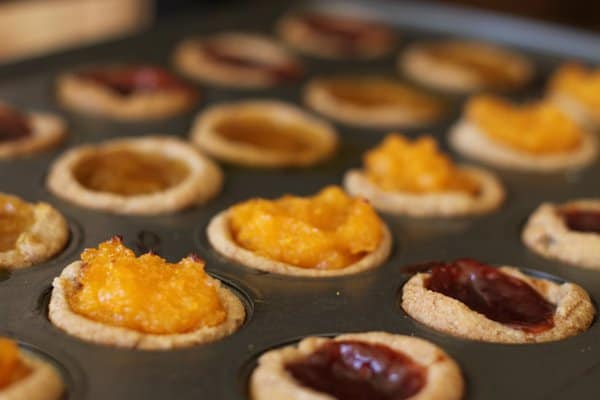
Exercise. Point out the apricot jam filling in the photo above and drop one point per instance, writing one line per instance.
(12, 367)
(581, 83)
(13, 125)
(417, 166)
(145, 293)
(16, 216)
(536, 128)
(129, 173)
(327, 231)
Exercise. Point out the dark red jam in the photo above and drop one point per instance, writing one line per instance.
(129, 79)
(587, 221)
(352, 370)
(13, 125)
(496, 295)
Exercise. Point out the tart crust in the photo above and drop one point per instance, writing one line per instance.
(446, 204)
(323, 135)
(42, 383)
(219, 236)
(574, 311)
(547, 234)
(204, 179)
(47, 131)
(47, 236)
(84, 328)
(467, 138)
(271, 381)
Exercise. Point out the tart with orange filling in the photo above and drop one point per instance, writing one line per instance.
(465, 66)
(24, 376)
(264, 133)
(149, 175)
(328, 234)
(126, 92)
(414, 178)
(534, 136)
(372, 101)
(113, 297)
(29, 233)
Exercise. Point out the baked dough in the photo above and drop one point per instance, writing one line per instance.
(547, 234)
(444, 204)
(219, 236)
(42, 383)
(574, 311)
(248, 60)
(421, 63)
(203, 179)
(62, 316)
(319, 137)
(271, 381)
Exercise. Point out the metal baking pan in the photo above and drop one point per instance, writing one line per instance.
(283, 309)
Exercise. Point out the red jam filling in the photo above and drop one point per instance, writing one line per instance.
(582, 220)
(342, 28)
(498, 296)
(130, 79)
(13, 125)
(352, 370)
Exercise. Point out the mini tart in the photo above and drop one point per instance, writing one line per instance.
(221, 237)
(573, 314)
(125, 92)
(41, 382)
(158, 174)
(371, 102)
(263, 134)
(472, 140)
(271, 380)
(465, 66)
(29, 233)
(549, 233)
(336, 36)
(62, 314)
(23, 134)
(237, 59)
(478, 190)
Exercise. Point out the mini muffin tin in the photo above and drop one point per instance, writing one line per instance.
(282, 309)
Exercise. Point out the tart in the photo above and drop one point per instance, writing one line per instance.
(336, 36)
(263, 133)
(149, 175)
(465, 66)
(114, 298)
(568, 232)
(24, 376)
(237, 59)
(372, 101)
(534, 136)
(414, 178)
(329, 234)
(373, 365)
(472, 300)
(29, 233)
(26, 133)
(126, 92)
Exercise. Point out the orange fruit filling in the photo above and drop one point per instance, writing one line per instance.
(399, 164)
(16, 216)
(145, 293)
(12, 367)
(327, 231)
(580, 83)
(129, 173)
(537, 128)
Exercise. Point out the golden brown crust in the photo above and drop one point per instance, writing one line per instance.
(219, 236)
(574, 311)
(271, 381)
(323, 135)
(467, 138)
(84, 328)
(42, 383)
(47, 132)
(204, 179)
(547, 234)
